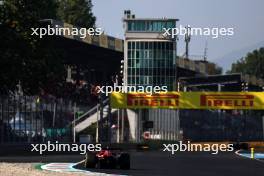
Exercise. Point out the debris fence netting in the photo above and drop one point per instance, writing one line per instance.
(27, 119)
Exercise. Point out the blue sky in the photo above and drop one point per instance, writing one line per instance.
(245, 16)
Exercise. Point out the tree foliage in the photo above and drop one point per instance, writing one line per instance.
(252, 64)
(77, 12)
(25, 58)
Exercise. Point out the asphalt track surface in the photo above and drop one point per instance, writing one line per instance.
(162, 164)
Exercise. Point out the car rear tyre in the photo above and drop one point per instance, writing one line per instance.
(90, 160)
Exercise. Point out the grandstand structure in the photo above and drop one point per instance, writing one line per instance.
(102, 51)
(96, 60)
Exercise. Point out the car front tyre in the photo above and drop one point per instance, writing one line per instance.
(124, 161)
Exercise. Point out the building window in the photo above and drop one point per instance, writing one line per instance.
(149, 25)
(150, 63)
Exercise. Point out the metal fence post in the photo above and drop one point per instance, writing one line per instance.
(74, 124)
(97, 124)
(263, 127)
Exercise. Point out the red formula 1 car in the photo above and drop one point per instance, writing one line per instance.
(107, 159)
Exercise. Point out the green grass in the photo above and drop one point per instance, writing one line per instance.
(38, 166)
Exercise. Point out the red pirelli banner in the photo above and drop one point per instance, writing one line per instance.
(189, 100)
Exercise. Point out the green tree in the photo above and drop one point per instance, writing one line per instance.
(36, 63)
(25, 58)
(77, 12)
(252, 64)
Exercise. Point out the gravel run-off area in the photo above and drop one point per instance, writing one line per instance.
(28, 169)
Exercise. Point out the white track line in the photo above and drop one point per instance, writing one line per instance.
(69, 168)
(239, 154)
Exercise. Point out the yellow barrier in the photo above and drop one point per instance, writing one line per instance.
(189, 100)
